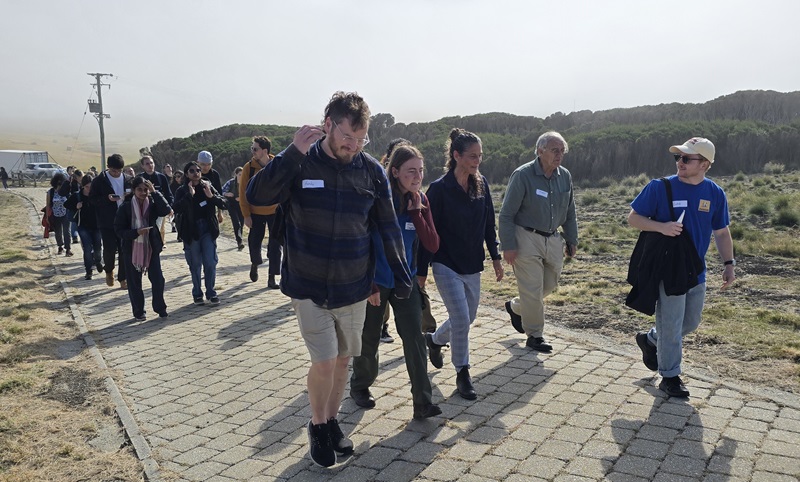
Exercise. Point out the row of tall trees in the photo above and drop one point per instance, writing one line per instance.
(749, 129)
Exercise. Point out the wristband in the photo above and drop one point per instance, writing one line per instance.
(731, 262)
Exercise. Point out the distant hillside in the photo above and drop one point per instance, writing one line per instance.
(749, 128)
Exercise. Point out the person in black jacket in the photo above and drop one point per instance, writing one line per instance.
(135, 225)
(195, 205)
(106, 193)
(86, 219)
(205, 161)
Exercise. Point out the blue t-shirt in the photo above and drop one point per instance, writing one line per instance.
(705, 205)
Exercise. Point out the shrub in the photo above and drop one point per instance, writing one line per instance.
(782, 202)
(773, 167)
(740, 177)
(759, 208)
(737, 231)
(591, 198)
(786, 217)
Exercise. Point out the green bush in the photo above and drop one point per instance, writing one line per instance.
(760, 208)
(591, 198)
(737, 231)
(782, 202)
(773, 167)
(786, 217)
(740, 177)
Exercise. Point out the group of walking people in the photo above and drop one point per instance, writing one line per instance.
(121, 219)
(350, 236)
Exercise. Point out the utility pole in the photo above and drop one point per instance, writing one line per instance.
(96, 108)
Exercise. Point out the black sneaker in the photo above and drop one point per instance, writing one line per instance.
(516, 320)
(163, 314)
(426, 411)
(271, 283)
(253, 273)
(464, 385)
(537, 343)
(385, 336)
(320, 448)
(649, 352)
(214, 300)
(88, 274)
(99, 267)
(674, 387)
(199, 301)
(434, 351)
(363, 398)
(141, 317)
(74, 240)
(340, 443)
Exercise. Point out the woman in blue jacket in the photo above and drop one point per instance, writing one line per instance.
(405, 173)
(462, 209)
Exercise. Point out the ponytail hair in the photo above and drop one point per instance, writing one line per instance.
(460, 140)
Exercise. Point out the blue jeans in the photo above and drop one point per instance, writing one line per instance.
(92, 247)
(202, 254)
(73, 226)
(676, 317)
(461, 294)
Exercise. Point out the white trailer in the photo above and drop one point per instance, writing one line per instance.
(16, 160)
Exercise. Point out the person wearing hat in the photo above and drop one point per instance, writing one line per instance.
(701, 207)
(205, 161)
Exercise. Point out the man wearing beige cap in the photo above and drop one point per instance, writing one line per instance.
(701, 208)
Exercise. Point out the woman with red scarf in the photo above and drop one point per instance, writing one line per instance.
(135, 225)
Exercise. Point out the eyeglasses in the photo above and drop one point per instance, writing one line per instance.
(360, 142)
(192, 171)
(254, 149)
(686, 159)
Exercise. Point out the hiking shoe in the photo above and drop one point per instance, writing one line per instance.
(319, 442)
(340, 443)
(254, 272)
(434, 351)
(271, 284)
(385, 336)
(649, 352)
(516, 320)
(363, 398)
(464, 385)
(426, 411)
(110, 278)
(537, 343)
(199, 301)
(214, 300)
(674, 387)
(142, 317)
(123, 284)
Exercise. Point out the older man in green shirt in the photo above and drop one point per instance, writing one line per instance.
(538, 201)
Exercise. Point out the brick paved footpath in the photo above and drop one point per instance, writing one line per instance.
(218, 394)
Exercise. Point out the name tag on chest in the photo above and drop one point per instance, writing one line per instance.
(313, 184)
(410, 226)
(680, 204)
(203, 204)
(541, 193)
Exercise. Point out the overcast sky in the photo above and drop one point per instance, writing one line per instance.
(182, 66)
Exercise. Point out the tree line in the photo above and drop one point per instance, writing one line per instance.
(749, 129)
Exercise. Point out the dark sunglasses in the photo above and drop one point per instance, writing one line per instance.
(192, 171)
(686, 159)
(255, 149)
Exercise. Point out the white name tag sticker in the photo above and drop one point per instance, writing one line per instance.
(539, 192)
(313, 184)
(410, 226)
(202, 204)
(680, 204)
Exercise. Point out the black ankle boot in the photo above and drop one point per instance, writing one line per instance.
(464, 385)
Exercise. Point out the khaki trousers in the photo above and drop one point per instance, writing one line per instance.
(537, 268)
